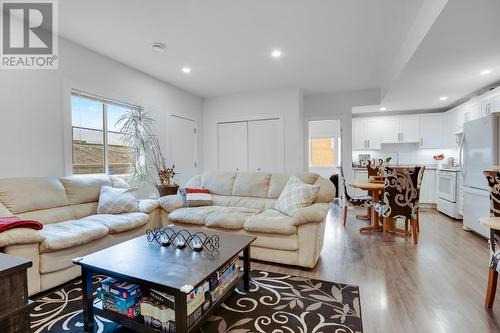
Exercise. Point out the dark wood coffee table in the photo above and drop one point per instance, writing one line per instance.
(163, 268)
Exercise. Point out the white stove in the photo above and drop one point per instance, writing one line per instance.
(448, 187)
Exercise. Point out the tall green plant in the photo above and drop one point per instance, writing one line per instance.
(136, 128)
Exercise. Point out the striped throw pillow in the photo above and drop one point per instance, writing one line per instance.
(196, 197)
(117, 201)
(296, 195)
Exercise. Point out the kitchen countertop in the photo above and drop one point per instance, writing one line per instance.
(427, 167)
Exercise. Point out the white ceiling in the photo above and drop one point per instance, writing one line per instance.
(328, 45)
(464, 40)
(413, 50)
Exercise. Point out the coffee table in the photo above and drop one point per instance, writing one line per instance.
(165, 269)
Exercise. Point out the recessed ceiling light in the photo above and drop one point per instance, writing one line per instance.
(383, 108)
(276, 54)
(443, 98)
(485, 72)
(158, 47)
(186, 70)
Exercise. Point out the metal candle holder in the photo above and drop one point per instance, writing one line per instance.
(182, 238)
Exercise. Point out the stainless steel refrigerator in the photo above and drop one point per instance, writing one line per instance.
(479, 152)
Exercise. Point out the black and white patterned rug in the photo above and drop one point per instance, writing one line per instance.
(275, 303)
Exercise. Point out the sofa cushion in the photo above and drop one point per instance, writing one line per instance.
(121, 222)
(118, 182)
(192, 215)
(72, 233)
(296, 195)
(148, 205)
(270, 221)
(117, 201)
(278, 182)
(84, 210)
(218, 182)
(21, 195)
(17, 236)
(230, 217)
(4, 211)
(171, 202)
(251, 184)
(84, 188)
(51, 215)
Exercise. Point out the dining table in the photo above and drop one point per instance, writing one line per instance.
(375, 189)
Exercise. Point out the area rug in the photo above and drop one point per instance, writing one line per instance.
(275, 303)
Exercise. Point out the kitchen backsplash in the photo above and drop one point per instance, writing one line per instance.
(409, 154)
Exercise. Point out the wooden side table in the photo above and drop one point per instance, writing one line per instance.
(14, 304)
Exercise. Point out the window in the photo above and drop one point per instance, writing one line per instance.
(98, 145)
(322, 152)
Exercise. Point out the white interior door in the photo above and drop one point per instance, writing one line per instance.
(232, 146)
(183, 148)
(265, 145)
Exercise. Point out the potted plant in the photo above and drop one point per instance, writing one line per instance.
(149, 162)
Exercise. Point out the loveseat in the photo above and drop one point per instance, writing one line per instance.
(72, 228)
(243, 202)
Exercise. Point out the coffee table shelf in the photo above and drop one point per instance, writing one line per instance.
(138, 325)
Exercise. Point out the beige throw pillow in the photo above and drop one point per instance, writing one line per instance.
(296, 195)
(117, 201)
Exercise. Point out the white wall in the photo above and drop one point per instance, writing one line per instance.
(339, 106)
(284, 104)
(35, 116)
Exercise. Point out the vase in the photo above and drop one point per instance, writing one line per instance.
(167, 190)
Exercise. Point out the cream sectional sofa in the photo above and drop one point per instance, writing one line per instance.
(68, 209)
(244, 202)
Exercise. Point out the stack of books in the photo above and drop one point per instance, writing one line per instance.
(157, 310)
(222, 279)
(120, 297)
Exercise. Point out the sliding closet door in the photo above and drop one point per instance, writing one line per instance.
(265, 145)
(232, 147)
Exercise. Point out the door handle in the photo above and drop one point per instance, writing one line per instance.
(421, 142)
(368, 144)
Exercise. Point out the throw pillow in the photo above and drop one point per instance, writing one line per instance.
(296, 195)
(195, 197)
(117, 201)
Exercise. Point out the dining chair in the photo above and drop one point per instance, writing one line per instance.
(373, 170)
(400, 199)
(364, 201)
(493, 178)
(419, 185)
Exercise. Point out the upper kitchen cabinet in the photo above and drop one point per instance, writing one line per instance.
(400, 130)
(431, 131)
(365, 134)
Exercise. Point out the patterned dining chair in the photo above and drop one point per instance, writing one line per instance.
(400, 199)
(493, 178)
(373, 170)
(419, 185)
(364, 201)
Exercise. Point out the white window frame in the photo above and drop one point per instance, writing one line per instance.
(105, 102)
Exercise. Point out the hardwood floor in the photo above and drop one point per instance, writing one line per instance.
(436, 286)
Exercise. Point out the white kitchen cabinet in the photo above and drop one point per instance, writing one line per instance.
(232, 141)
(428, 187)
(365, 134)
(358, 138)
(359, 174)
(431, 131)
(400, 130)
(265, 146)
(453, 122)
(389, 130)
(409, 129)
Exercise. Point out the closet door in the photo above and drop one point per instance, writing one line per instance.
(265, 145)
(232, 150)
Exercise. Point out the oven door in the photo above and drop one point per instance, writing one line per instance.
(447, 185)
